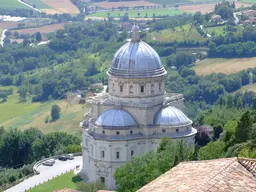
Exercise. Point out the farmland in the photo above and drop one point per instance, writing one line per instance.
(110, 5)
(43, 29)
(60, 6)
(142, 13)
(166, 2)
(12, 4)
(37, 3)
(8, 25)
(179, 34)
(227, 66)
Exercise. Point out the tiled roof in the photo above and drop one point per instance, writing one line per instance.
(219, 175)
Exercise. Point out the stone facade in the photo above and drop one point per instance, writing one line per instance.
(125, 121)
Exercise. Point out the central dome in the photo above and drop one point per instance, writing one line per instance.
(136, 58)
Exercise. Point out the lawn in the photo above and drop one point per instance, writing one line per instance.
(142, 12)
(67, 180)
(248, 88)
(221, 65)
(12, 4)
(21, 115)
(218, 30)
(248, 1)
(179, 34)
(38, 4)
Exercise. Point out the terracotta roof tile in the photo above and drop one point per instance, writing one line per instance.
(220, 175)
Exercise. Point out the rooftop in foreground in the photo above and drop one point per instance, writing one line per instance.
(219, 175)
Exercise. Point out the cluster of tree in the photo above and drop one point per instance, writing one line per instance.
(5, 93)
(180, 60)
(8, 176)
(225, 9)
(26, 147)
(143, 169)
(246, 49)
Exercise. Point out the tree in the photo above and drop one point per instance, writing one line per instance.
(55, 112)
(138, 14)
(239, 104)
(38, 36)
(212, 150)
(22, 91)
(244, 127)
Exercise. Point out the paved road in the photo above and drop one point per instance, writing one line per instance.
(29, 6)
(2, 37)
(46, 173)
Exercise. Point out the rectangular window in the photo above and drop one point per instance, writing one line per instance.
(130, 132)
(117, 133)
(163, 130)
(103, 132)
(102, 179)
(132, 153)
(121, 88)
(102, 154)
(117, 155)
(142, 89)
(177, 130)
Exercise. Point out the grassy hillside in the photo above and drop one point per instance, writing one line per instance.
(134, 13)
(38, 4)
(12, 4)
(186, 32)
(227, 66)
(21, 115)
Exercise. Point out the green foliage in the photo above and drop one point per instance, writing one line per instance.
(90, 187)
(247, 152)
(26, 147)
(212, 150)
(55, 112)
(73, 149)
(143, 169)
(244, 127)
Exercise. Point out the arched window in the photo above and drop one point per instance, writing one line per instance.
(142, 89)
(152, 89)
(160, 86)
(131, 90)
(113, 87)
(121, 88)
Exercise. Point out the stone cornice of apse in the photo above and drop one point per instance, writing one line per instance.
(174, 135)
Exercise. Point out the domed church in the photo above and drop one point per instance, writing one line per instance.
(134, 115)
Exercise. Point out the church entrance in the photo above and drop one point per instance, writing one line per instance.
(102, 179)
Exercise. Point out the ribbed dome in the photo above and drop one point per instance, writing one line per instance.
(171, 116)
(115, 118)
(136, 59)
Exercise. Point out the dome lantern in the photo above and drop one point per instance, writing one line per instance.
(135, 33)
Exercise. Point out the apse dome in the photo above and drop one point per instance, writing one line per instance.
(115, 118)
(136, 58)
(171, 116)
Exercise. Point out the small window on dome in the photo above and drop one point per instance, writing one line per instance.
(103, 132)
(117, 133)
(121, 88)
(160, 87)
(130, 132)
(177, 130)
(142, 89)
(163, 130)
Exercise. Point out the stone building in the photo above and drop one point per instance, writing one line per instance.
(134, 115)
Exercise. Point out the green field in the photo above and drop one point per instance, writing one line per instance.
(142, 12)
(38, 4)
(179, 34)
(166, 2)
(21, 115)
(67, 180)
(248, 1)
(226, 66)
(12, 4)
(218, 30)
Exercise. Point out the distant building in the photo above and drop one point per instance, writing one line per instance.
(216, 19)
(134, 115)
(249, 13)
(219, 175)
(249, 16)
(97, 86)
